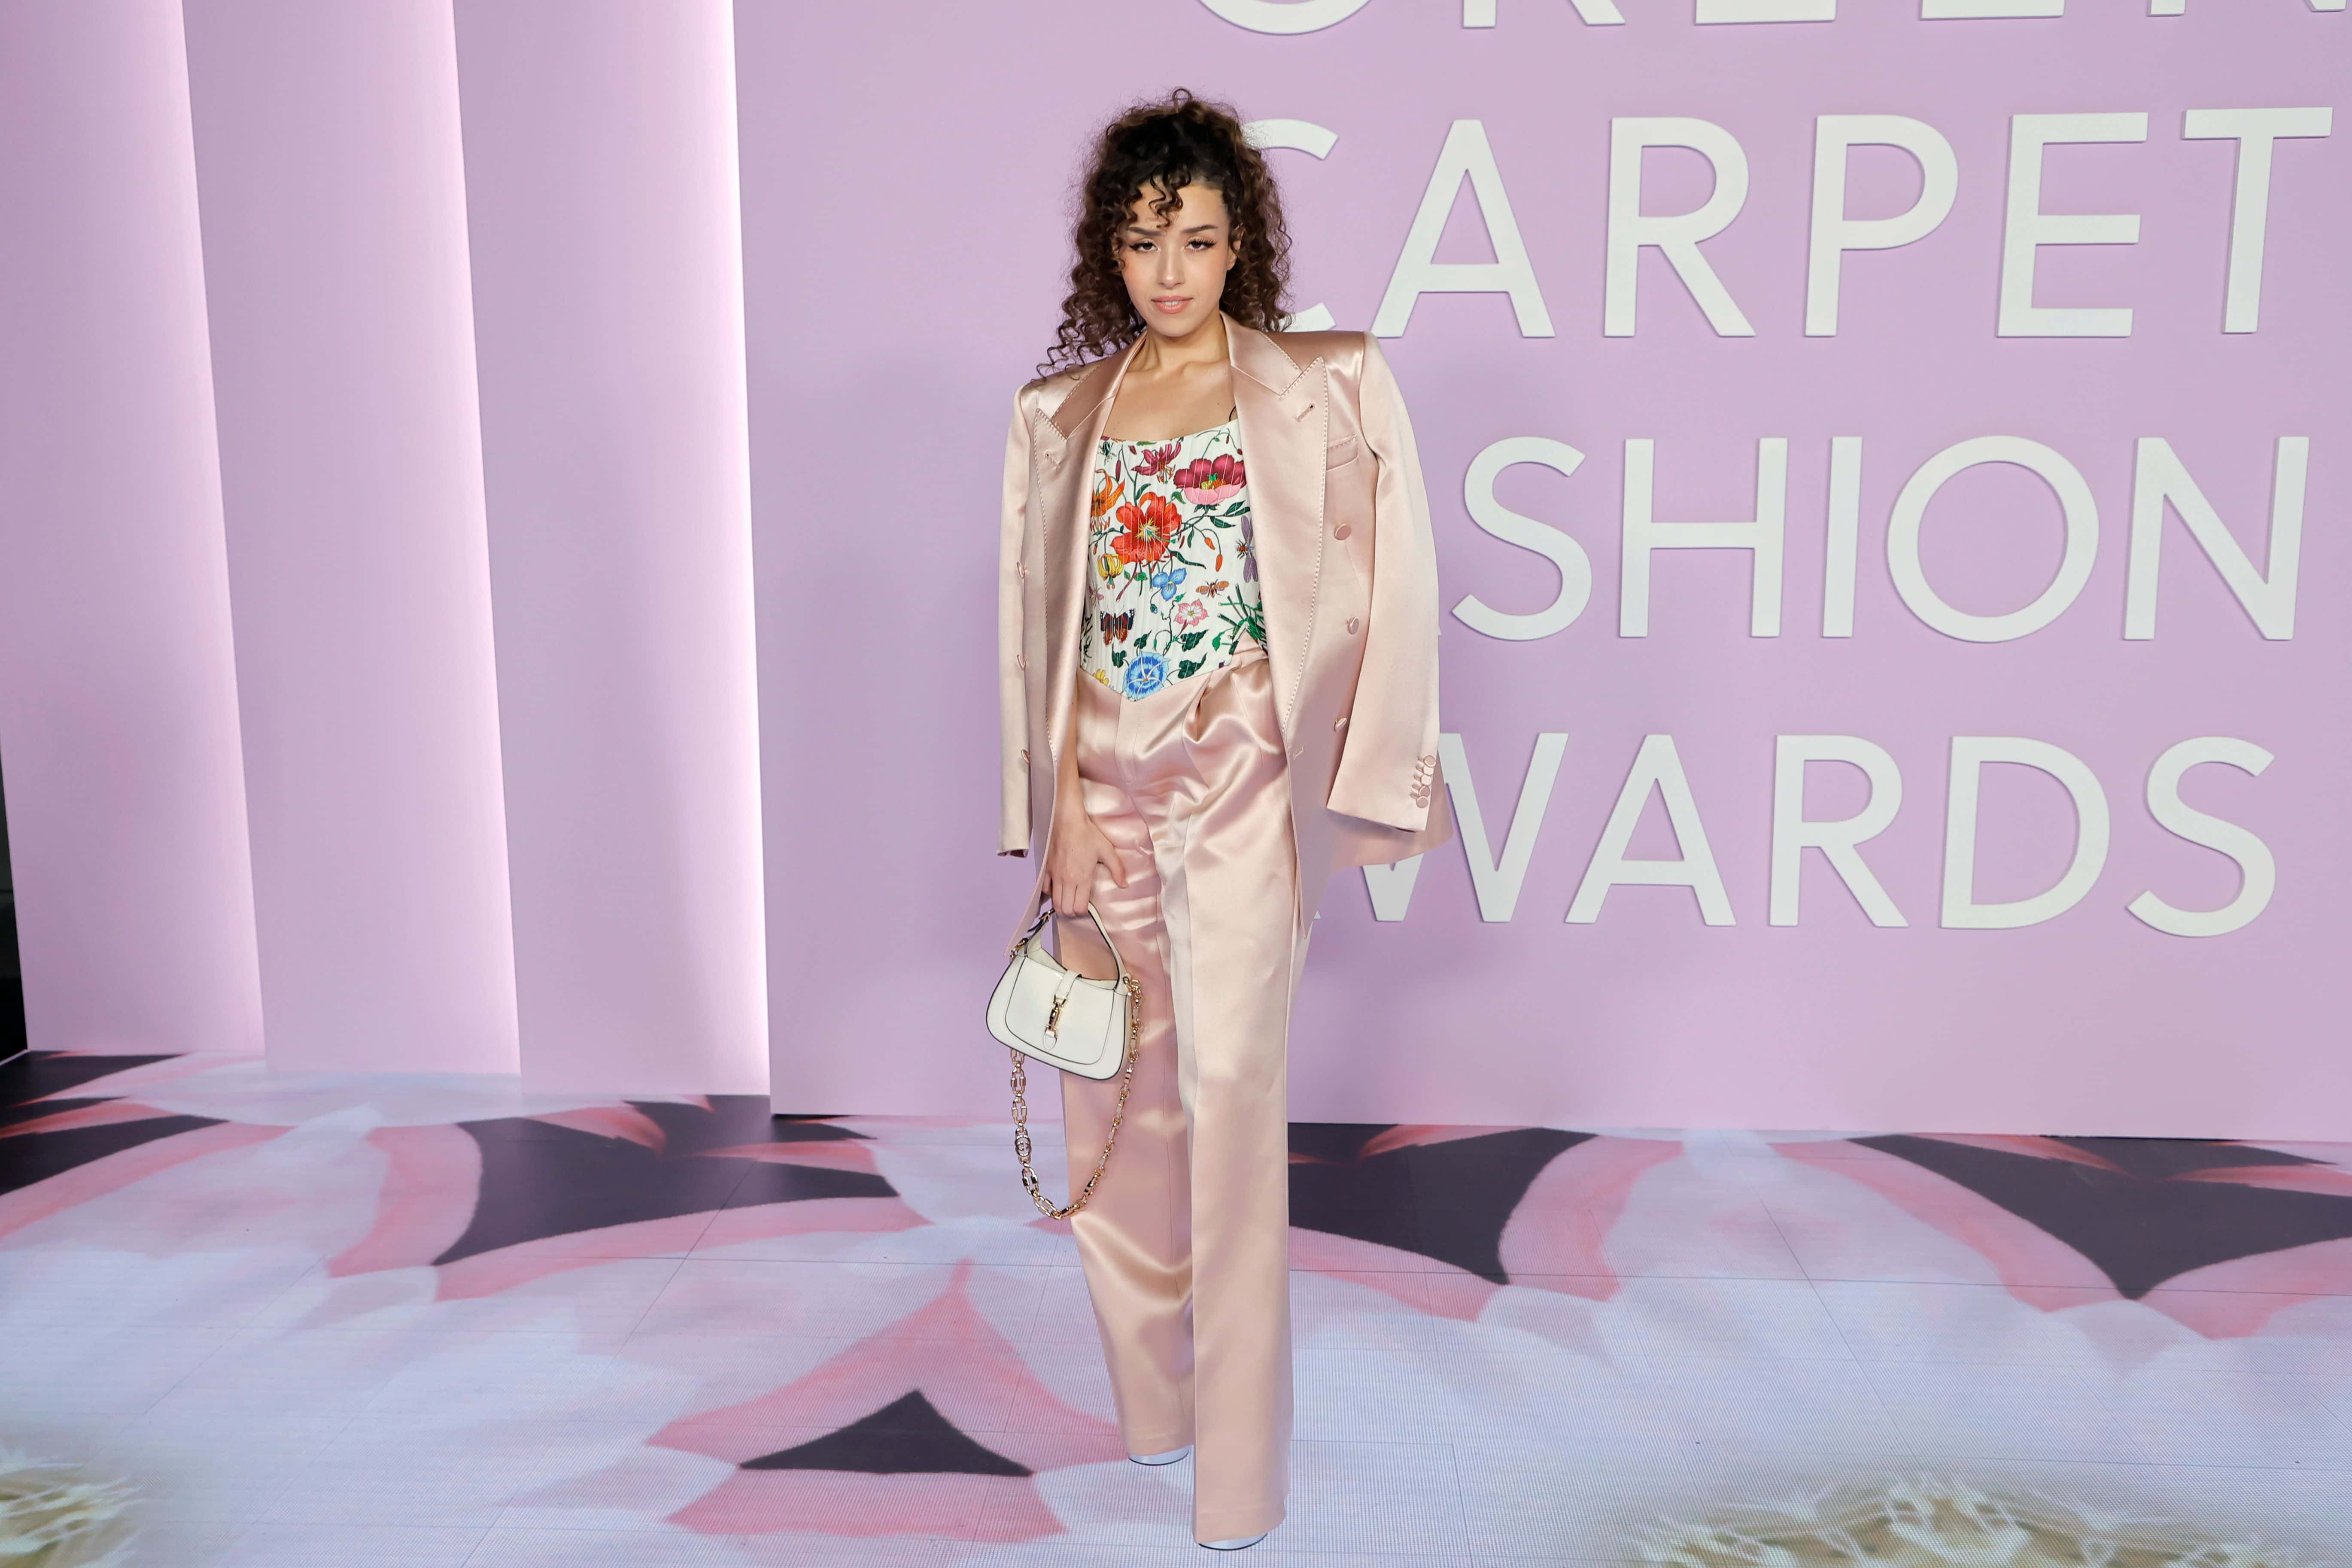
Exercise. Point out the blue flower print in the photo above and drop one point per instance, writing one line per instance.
(1146, 674)
(1169, 580)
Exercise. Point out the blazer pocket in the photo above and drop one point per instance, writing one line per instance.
(1341, 453)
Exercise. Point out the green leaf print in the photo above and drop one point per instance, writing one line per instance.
(1244, 618)
(1190, 640)
(1118, 657)
(1188, 668)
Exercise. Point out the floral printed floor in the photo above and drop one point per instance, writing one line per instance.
(253, 1319)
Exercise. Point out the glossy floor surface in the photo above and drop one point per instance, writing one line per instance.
(301, 1320)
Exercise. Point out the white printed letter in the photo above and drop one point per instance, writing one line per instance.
(1494, 517)
(1677, 234)
(1969, 754)
(1793, 833)
(2257, 873)
(1767, 11)
(2255, 131)
(1592, 13)
(1844, 535)
(1315, 141)
(1834, 137)
(1286, 17)
(1497, 883)
(2074, 500)
(1418, 271)
(1941, 10)
(1643, 533)
(2268, 597)
(1657, 765)
(2029, 226)
(1390, 887)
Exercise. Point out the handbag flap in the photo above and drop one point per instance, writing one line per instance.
(1060, 1016)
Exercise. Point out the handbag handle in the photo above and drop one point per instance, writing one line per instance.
(1041, 910)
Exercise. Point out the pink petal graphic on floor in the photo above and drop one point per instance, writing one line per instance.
(2024, 1257)
(1395, 1273)
(2239, 1297)
(115, 1173)
(1554, 1236)
(105, 1114)
(432, 1176)
(2329, 1179)
(751, 1339)
(902, 1433)
(609, 1121)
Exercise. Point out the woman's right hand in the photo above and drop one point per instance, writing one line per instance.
(1079, 847)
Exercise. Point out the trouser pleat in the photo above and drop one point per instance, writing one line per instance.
(1186, 1244)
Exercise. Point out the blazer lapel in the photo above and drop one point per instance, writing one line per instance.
(1065, 493)
(1284, 418)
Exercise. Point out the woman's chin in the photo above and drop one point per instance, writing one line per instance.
(1182, 325)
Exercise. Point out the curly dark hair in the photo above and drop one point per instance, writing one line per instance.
(1163, 146)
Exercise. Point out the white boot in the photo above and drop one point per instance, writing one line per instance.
(1169, 1458)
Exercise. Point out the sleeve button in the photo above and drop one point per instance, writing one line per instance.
(1342, 531)
(1352, 626)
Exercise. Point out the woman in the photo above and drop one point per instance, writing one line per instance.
(1218, 634)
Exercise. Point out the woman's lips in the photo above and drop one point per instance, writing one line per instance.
(1171, 303)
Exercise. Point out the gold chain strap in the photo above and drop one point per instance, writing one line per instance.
(1021, 1115)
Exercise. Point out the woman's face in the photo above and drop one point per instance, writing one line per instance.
(1175, 266)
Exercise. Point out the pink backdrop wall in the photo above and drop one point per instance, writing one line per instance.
(473, 302)
(118, 688)
(608, 295)
(300, 247)
(332, 195)
(901, 284)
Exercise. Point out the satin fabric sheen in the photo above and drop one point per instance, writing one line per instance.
(1347, 569)
(1186, 1243)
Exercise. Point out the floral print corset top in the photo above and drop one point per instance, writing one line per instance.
(1171, 577)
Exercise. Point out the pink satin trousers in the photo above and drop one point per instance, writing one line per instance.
(1186, 1244)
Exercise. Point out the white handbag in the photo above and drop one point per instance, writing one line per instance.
(1080, 1024)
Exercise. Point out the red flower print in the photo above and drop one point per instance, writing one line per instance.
(1154, 462)
(1146, 528)
(1207, 479)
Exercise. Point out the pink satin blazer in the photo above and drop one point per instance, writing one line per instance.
(1346, 568)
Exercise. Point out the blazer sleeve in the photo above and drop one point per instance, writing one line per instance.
(1012, 694)
(1388, 769)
